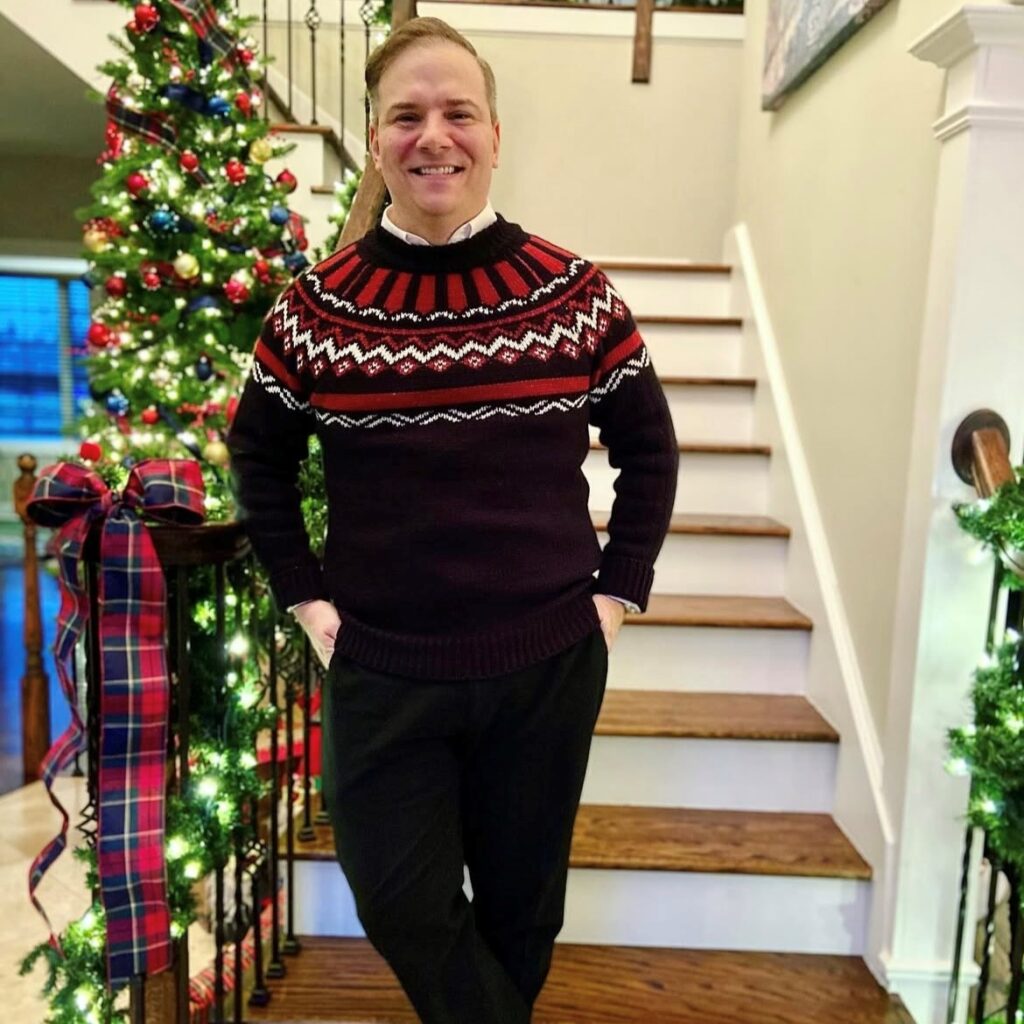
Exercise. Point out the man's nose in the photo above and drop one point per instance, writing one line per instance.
(434, 133)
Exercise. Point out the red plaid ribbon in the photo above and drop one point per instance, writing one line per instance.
(202, 17)
(134, 692)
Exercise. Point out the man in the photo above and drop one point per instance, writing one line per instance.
(451, 364)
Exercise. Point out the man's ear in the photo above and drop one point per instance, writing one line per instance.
(374, 144)
(497, 142)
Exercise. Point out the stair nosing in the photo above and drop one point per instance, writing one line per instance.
(707, 382)
(781, 615)
(688, 523)
(706, 448)
(670, 266)
(672, 320)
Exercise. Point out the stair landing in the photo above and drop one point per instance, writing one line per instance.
(344, 981)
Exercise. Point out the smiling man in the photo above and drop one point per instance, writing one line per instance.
(451, 364)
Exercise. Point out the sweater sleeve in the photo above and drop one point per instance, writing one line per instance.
(628, 406)
(268, 440)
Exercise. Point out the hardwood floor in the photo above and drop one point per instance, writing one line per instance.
(344, 981)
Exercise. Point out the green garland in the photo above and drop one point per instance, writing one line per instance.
(991, 750)
(998, 522)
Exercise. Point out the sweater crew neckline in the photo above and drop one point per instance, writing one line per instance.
(381, 247)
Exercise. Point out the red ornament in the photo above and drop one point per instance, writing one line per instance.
(235, 171)
(150, 416)
(115, 287)
(188, 161)
(245, 56)
(286, 181)
(232, 408)
(261, 268)
(151, 280)
(99, 335)
(243, 102)
(146, 17)
(136, 183)
(90, 450)
(236, 292)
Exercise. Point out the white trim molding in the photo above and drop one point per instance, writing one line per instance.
(965, 30)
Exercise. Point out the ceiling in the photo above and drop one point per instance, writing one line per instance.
(44, 107)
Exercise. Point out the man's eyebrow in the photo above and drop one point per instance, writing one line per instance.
(407, 105)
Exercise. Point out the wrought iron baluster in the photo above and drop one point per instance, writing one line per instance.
(291, 76)
(367, 9)
(306, 833)
(291, 944)
(313, 21)
(240, 929)
(990, 930)
(265, 63)
(276, 967)
(341, 77)
(256, 862)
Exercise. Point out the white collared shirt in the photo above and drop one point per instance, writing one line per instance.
(485, 218)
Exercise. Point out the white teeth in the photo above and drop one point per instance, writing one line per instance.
(436, 170)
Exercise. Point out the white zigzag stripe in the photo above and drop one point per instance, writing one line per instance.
(484, 412)
(328, 297)
(296, 338)
(631, 368)
(273, 386)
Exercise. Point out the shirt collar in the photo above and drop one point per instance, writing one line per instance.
(483, 219)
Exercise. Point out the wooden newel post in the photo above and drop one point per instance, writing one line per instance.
(35, 687)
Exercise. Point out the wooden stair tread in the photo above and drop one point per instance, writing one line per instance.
(711, 524)
(707, 448)
(673, 266)
(291, 128)
(346, 981)
(720, 842)
(709, 382)
(746, 716)
(686, 839)
(724, 611)
(673, 320)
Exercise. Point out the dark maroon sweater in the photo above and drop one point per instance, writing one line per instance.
(451, 388)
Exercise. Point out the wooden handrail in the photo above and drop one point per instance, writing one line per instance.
(35, 687)
(643, 41)
(981, 452)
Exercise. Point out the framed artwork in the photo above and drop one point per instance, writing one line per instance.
(801, 36)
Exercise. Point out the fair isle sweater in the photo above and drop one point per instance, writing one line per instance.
(452, 389)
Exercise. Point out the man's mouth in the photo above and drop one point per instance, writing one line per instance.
(443, 170)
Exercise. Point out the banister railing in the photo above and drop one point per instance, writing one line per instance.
(981, 458)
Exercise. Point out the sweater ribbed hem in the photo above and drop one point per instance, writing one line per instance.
(628, 578)
(479, 656)
(296, 585)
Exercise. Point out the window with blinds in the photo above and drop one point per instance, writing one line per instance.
(41, 382)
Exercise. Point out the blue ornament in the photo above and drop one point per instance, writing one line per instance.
(128, 461)
(279, 214)
(295, 261)
(162, 222)
(218, 106)
(117, 404)
(204, 368)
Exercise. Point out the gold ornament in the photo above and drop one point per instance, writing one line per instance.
(261, 151)
(186, 266)
(216, 452)
(95, 240)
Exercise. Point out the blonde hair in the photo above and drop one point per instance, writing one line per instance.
(420, 31)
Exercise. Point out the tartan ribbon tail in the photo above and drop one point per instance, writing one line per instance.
(134, 690)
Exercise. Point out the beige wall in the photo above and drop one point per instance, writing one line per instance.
(581, 144)
(38, 199)
(837, 190)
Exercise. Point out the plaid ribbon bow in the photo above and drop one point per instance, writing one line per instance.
(134, 693)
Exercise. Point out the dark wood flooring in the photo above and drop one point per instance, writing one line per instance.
(344, 981)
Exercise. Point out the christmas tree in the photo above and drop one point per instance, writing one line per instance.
(189, 240)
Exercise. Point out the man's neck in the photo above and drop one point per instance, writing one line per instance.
(436, 233)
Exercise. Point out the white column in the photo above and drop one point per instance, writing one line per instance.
(972, 356)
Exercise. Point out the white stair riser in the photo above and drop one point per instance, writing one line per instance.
(712, 911)
(305, 161)
(727, 484)
(722, 415)
(653, 908)
(704, 659)
(694, 351)
(719, 564)
(316, 208)
(664, 293)
(735, 775)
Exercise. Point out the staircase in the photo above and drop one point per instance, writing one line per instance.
(708, 880)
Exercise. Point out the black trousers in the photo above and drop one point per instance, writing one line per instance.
(422, 777)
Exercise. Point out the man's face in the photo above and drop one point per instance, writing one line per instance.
(432, 112)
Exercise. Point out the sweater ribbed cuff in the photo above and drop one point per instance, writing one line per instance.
(298, 584)
(627, 578)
